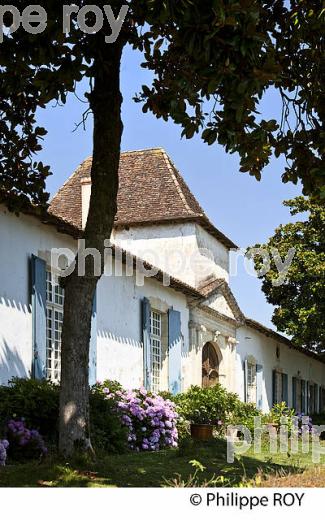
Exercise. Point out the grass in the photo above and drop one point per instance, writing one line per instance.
(152, 469)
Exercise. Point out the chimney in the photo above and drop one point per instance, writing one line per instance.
(85, 199)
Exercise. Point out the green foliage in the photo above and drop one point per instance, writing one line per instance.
(244, 414)
(35, 401)
(318, 418)
(112, 386)
(194, 480)
(212, 61)
(298, 294)
(202, 405)
(215, 406)
(107, 431)
(278, 412)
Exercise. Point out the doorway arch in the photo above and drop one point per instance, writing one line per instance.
(210, 365)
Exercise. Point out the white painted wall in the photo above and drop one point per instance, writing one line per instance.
(292, 362)
(20, 237)
(119, 331)
(219, 303)
(178, 249)
(206, 328)
(119, 346)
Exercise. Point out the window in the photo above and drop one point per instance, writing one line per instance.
(322, 399)
(280, 387)
(313, 398)
(156, 349)
(54, 320)
(299, 394)
(251, 381)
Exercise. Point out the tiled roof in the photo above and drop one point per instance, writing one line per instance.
(151, 191)
(207, 287)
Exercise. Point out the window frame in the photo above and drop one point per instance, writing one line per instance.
(54, 321)
(281, 383)
(251, 376)
(156, 322)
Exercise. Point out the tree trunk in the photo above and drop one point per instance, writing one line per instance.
(105, 101)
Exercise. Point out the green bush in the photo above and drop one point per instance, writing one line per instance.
(244, 414)
(318, 418)
(215, 406)
(107, 431)
(37, 403)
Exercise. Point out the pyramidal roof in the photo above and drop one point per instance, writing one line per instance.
(151, 191)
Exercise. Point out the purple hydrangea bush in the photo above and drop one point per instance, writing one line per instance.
(150, 419)
(24, 443)
(4, 444)
(304, 423)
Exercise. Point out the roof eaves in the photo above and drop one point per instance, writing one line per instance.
(201, 219)
(63, 227)
(279, 337)
(43, 215)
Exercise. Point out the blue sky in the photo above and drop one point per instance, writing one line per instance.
(245, 210)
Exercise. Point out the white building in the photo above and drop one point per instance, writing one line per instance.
(168, 323)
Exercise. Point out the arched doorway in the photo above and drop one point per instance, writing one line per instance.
(210, 365)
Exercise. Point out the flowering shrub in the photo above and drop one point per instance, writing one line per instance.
(3, 452)
(35, 400)
(150, 419)
(108, 433)
(304, 423)
(23, 442)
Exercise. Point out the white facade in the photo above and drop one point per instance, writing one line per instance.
(186, 251)
(120, 342)
(274, 355)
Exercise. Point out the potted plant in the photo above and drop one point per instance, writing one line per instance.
(203, 408)
(277, 414)
(202, 424)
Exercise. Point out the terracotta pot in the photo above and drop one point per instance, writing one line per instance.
(202, 432)
(272, 426)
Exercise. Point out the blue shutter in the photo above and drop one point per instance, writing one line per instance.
(38, 279)
(93, 344)
(303, 396)
(285, 388)
(294, 393)
(259, 387)
(320, 399)
(274, 389)
(315, 398)
(174, 350)
(146, 343)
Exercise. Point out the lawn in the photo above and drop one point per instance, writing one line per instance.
(152, 469)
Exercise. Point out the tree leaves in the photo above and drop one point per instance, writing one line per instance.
(212, 61)
(300, 299)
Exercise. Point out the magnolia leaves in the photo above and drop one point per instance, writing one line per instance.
(300, 298)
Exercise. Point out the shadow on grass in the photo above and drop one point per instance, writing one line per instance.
(144, 469)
